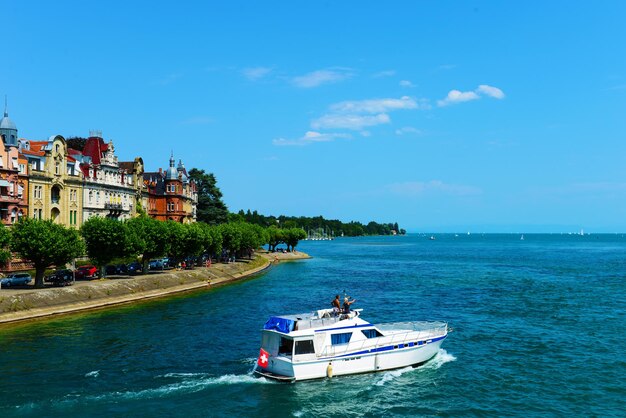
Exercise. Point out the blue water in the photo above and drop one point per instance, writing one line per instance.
(538, 330)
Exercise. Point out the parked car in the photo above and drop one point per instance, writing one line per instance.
(110, 269)
(156, 264)
(85, 272)
(16, 279)
(63, 277)
(122, 269)
(134, 268)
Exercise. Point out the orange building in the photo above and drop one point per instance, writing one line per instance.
(170, 195)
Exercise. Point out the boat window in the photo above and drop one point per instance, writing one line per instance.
(371, 333)
(344, 338)
(286, 346)
(304, 347)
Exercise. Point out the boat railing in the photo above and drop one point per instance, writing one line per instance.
(328, 319)
(403, 333)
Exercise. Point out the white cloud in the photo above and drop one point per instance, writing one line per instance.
(365, 133)
(490, 91)
(309, 137)
(418, 188)
(317, 78)
(349, 121)
(456, 96)
(407, 83)
(378, 105)
(256, 73)
(408, 130)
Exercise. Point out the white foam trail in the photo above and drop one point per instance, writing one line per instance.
(94, 373)
(442, 357)
(185, 375)
(393, 374)
(185, 386)
(298, 413)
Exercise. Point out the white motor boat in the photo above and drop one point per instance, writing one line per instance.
(325, 344)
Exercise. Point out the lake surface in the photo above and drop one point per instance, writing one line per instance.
(538, 324)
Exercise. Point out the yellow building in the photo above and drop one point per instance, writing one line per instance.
(55, 182)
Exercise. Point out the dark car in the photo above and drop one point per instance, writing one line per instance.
(134, 268)
(111, 269)
(63, 277)
(86, 272)
(122, 269)
(16, 279)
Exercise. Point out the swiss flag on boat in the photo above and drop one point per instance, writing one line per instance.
(264, 358)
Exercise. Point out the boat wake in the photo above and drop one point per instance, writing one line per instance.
(442, 357)
(94, 373)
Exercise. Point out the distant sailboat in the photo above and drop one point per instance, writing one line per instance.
(432, 238)
(522, 237)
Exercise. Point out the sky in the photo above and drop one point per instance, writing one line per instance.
(443, 116)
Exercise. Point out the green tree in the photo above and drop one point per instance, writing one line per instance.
(275, 236)
(231, 238)
(151, 237)
(45, 243)
(213, 240)
(188, 239)
(293, 236)
(5, 242)
(107, 239)
(76, 142)
(210, 209)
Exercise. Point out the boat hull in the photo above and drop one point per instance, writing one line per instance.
(386, 358)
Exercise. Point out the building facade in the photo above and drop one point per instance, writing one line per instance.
(13, 175)
(55, 182)
(108, 189)
(170, 195)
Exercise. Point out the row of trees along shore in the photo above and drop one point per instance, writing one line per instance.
(217, 233)
(104, 240)
(338, 228)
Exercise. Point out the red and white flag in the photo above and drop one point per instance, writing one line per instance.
(264, 358)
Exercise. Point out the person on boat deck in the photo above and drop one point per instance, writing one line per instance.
(346, 304)
(336, 305)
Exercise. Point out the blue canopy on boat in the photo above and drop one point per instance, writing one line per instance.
(279, 324)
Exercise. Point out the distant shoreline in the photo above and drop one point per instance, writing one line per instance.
(19, 305)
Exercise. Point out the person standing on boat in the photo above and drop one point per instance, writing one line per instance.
(346, 304)
(336, 305)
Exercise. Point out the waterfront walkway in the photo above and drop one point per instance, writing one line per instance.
(31, 303)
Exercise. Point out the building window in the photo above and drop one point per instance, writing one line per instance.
(22, 168)
(15, 165)
(57, 168)
(38, 192)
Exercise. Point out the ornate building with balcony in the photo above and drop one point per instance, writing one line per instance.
(54, 182)
(108, 188)
(13, 175)
(170, 195)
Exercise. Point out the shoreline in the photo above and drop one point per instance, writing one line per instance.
(39, 304)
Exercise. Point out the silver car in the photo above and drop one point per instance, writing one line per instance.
(16, 279)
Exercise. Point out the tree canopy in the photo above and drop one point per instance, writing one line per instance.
(211, 209)
(45, 243)
(107, 239)
(152, 238)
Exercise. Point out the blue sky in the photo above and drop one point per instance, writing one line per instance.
(440, 115)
